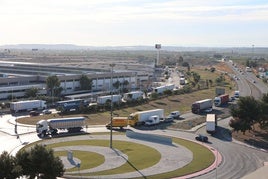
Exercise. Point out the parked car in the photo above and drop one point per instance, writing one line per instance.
(46, 111)
(168, 119)
(201, 138)
(34, 113)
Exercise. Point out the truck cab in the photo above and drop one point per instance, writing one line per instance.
(41, 128)
(152, 120)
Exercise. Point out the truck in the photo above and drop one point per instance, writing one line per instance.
(236, 94)
(199, 106)
(153, 120)
(139, 118)
(28, 105)
(211, 123)
(134, 95)
(69, 105)
(221, 100)
(118, 122)
(103, 99)
(182, 81)
(51, 126)
(161, 89)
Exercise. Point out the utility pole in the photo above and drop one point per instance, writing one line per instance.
(111, 120)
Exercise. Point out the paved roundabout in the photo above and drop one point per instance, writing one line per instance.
(173, 157)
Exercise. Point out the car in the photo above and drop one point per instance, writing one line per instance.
(208, 110)
(201, 138)
(34, 113)
(46, 111)
(168, 119)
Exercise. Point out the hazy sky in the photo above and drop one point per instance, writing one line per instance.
(232, 23)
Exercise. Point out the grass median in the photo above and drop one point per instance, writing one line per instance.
(139, 157)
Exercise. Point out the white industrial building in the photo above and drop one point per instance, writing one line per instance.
(16, 78)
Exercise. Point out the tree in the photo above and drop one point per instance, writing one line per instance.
(245, 114)
(40, 161)
(263, 120)
(9, 168)
(116, 85)
(52, 83)
(31, 92)
(85, 83)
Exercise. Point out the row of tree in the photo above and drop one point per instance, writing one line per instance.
(38, 162)
(248, 112)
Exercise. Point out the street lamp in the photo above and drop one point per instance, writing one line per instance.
(111, 122)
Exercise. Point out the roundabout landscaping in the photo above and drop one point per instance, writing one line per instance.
(129, 157)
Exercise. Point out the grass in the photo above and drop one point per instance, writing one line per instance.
(139, 157)
(180, 103)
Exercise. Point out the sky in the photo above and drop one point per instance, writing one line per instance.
(204, 23)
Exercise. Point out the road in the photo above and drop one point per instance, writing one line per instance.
(238, 159)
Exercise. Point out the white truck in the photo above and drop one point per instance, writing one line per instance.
(51, 126)
(28, 105)
(134, 95)
(139, 118)
(114, 98)
(211, 123)
(153, 120)
(161, 89)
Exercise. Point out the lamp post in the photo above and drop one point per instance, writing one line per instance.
(111, 122)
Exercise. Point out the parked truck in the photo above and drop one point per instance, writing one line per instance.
(69, 105)
(51, 126)
(134, 95)
(199, 106)
(28, 105)
(103, 99)
(161, 89)
(211, 123)
(221, 100)
(139, 118)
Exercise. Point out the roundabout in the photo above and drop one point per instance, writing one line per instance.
(130, 157)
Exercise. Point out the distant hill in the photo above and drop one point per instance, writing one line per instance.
(147, 48)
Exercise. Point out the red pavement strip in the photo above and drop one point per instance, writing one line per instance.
(215, 164)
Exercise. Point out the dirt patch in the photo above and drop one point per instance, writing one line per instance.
(257, 137)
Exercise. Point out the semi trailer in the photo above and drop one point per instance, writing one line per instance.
(199, 106)
(28, 105)
(211, 123)
(51, 126)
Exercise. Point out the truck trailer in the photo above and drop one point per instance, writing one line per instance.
(28, 105)
(73, 104)
(199, 106)
(114, 98)
(134, 95)
(221, 100)
(140, 117)
(211, 123)
(118, 122)
(161, 89)
(51, 126)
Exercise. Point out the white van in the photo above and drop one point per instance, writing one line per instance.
(236, 94)
(175, 114)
